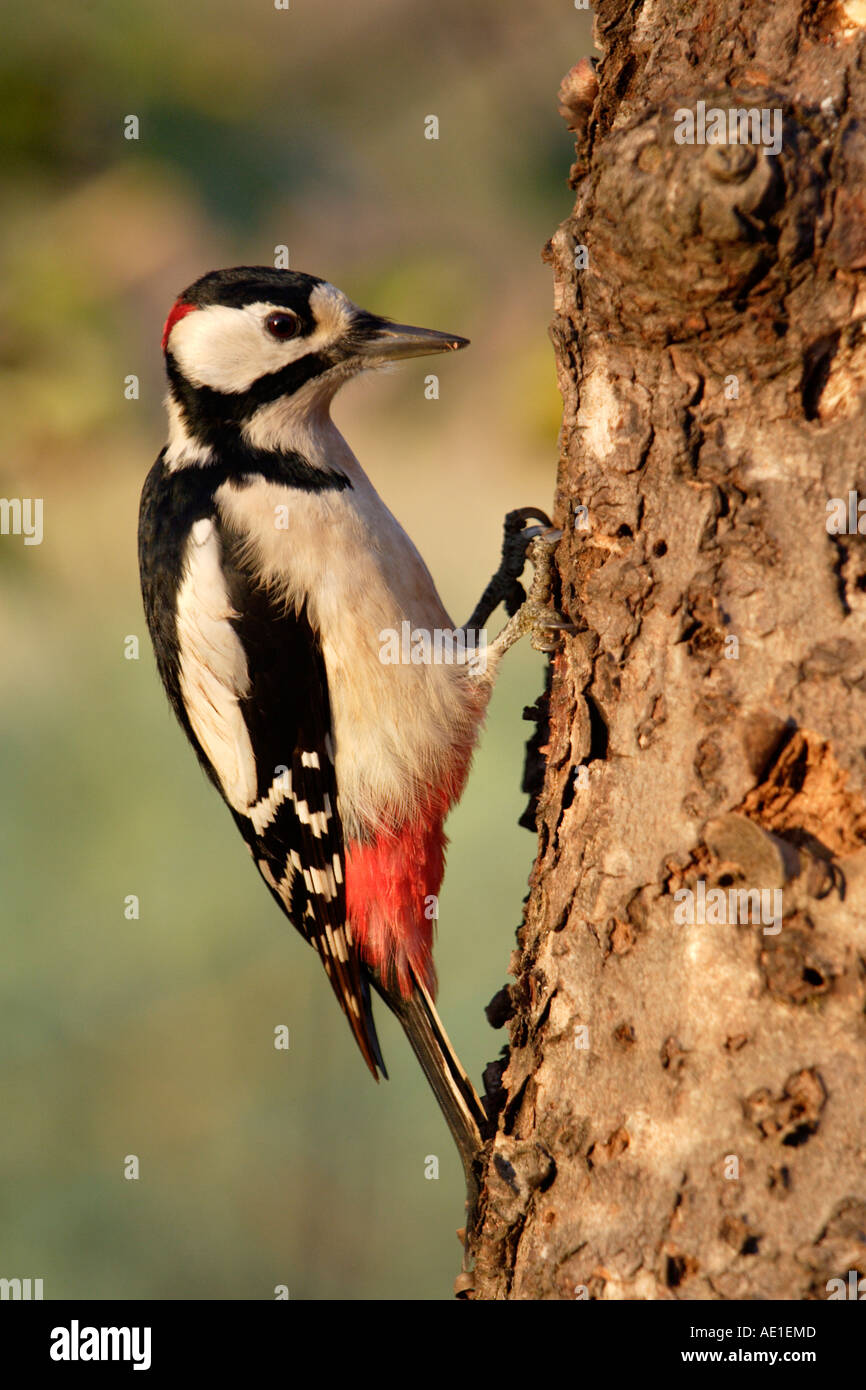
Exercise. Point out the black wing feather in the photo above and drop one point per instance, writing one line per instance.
(299, 850)
(288, 717)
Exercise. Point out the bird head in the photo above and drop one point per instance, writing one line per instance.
(240, 339)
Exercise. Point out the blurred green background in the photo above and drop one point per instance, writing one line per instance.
(154, 1037)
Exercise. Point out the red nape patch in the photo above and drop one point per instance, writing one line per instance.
(179, 311)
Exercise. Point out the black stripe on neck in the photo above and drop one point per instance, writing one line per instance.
(242, 465)
(234, 461)
(211, 416)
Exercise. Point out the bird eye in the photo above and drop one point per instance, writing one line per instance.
(283, 325)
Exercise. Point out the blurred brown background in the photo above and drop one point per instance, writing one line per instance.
(154, 1036)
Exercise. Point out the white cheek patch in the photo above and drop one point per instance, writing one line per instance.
(229, 349)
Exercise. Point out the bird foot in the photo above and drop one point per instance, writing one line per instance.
(505, 586)
(536, 616)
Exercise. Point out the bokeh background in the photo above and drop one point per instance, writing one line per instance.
(154, 1037)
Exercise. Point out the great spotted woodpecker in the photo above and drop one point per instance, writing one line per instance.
(270, 571)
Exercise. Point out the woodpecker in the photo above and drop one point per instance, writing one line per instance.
(270, 569)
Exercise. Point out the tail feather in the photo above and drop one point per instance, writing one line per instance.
(372, 1036)
(464, 1114)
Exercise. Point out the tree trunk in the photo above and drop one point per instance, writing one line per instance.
(683, 1109)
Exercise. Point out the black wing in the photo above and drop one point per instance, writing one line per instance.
(247, 679)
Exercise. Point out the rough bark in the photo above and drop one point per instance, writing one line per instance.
(704, 1136)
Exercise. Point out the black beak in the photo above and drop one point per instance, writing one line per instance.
(380, 340)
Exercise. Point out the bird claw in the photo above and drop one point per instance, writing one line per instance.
(535, 616)
(517, 546)
(545, 621)
(550, 534)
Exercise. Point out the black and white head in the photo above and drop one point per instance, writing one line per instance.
(239, 340)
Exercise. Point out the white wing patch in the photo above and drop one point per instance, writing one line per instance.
(213, 668)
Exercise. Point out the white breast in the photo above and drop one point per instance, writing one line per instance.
(344, 555)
